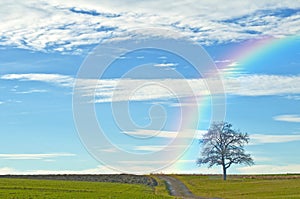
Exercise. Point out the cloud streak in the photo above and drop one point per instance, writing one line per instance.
(245, 85)
(262, 85)
(270, 169)
(68, 26)
(162, 134)
(287, 118)
(107, 90)
(34, 156)
(60, 80)
(32, 91)
(97, 170)
(166, 65)
(256, 139)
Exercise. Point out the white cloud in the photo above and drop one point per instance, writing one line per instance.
(233, 64)
(133, 165)
(61, 80)
(32, 91)
(174, 168)
(109, 150)
(262, 85)
(34, 156)
(223, 61)
(293, 97)
(164, 134)
(245, 85)
(143, 89)
(108, 90)
(166, 64)
(64, 26)
(270, 169)
(97, 170)
(151, 133)
(156, 148)
(266, 139)
(287, 118)
(150, 148)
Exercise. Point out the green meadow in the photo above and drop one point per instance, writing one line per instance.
(27, 188)
(208, 186)
(256, 186)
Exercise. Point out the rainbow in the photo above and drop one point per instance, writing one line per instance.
(249, 51)
(237, 60)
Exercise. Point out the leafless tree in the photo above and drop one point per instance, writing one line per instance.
(224, 146)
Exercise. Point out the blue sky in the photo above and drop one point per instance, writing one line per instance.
(44, 45)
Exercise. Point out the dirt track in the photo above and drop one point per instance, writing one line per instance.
(177, 188)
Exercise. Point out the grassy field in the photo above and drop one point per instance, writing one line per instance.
(27, 188)
(256, 186)
(212, 186)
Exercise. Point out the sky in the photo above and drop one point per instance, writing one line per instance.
(131, 86)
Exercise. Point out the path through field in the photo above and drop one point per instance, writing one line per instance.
(177, 188)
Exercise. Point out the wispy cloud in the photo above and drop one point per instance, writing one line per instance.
(68, 26)
(32, 91)
(34, 156)
(270, 169)
(267, 139)
(164, 134)
(262, 85)
(149, 148)
(223, 61)
(293, 97)
(233, 64)
(245, 85)
(287, 118)
(108, 90)
(149, 89)
(58, 79)
(166, 64)
(96, 170)
(109, 150)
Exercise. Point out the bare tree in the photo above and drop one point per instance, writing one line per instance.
(224, 146)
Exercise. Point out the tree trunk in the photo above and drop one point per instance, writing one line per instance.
(224, 173)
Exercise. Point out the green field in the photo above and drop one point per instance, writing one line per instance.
(257, 186)
(210, 186)
(26, 188)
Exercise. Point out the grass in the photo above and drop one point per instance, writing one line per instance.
(211, 186)
(26, 188)
(255, 186)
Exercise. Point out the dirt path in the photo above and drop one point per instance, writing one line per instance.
(177, 188)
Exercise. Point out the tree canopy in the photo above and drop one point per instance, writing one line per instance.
(224, 146)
